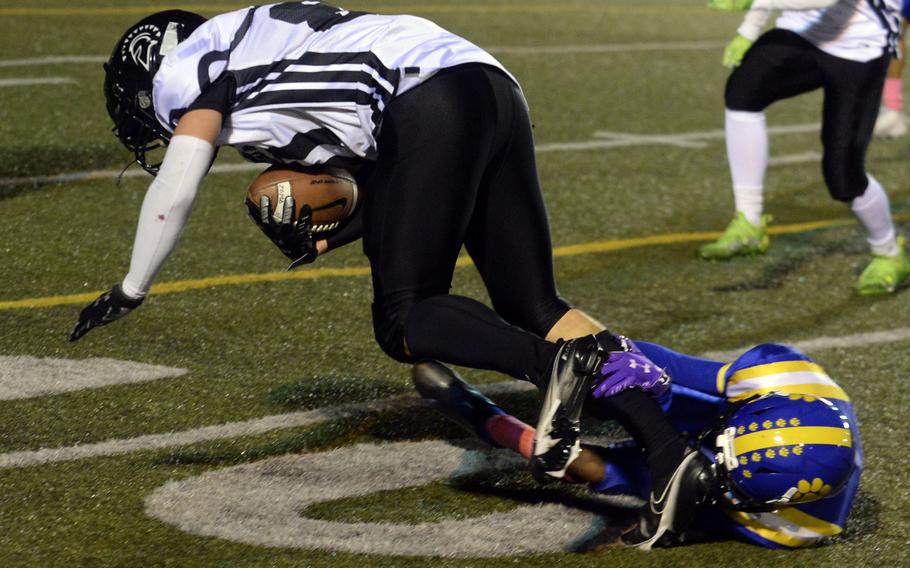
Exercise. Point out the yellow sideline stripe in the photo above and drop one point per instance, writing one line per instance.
(196, 284)
(792, 436)
(393, 9)
(317, 273)
(775, 369)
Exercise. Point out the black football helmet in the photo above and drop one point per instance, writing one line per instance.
(128, 79)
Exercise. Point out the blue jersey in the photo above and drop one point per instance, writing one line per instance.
(702, 389)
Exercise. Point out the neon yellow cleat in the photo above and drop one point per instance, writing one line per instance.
(885, 273)
(740, 238)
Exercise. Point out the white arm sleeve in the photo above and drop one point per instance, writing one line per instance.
(165, 210)
(792, 4)
(753, 23)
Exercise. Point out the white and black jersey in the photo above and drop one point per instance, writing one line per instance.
(859, 30)
(309, 81)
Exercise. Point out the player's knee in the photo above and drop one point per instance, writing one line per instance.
(845, 178)
(388, 326)
(740, 95)
(538, 317)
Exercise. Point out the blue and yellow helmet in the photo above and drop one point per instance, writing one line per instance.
(780, 449)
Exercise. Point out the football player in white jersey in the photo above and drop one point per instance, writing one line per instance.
(892, 121)
(843, 47)
(439, 136)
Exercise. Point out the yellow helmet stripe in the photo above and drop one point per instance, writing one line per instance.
(833, 392)
(778, 536)
(775, 369)
(791, 437)
(805, 520)
(787, 526)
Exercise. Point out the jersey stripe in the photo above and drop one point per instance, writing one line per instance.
(303, 67)
(775, 369)
(792, 436)
(721, 378)
(891, 23)
(822, 391)
(788, 377)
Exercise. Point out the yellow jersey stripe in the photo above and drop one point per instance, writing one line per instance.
(775, 369)
(792, 436)
(824, 391)
(722, 378)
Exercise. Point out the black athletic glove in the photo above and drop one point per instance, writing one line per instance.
(108, 307)
(293, 238)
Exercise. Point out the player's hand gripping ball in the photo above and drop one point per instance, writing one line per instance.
(294, 207)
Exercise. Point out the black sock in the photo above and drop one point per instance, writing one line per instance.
(462, 331)
(642, 417)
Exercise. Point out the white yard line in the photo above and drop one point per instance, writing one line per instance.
(790, 159)
(632, 47)
(306, 418)
(222, 431)
(604, 48)
(52, 60)
(28, 82)
(602, 140)
(26, 377)
(822, 343)
(134, 172)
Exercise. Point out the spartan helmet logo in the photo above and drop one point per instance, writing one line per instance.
(141, 45)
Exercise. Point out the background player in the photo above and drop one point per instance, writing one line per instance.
(788, 470)
(891, 121)
(840, 46)
(440, 137)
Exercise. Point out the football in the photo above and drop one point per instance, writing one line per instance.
(331, 193)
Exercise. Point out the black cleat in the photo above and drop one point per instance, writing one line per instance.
(556, 443)
(665, 518)
(452, 396)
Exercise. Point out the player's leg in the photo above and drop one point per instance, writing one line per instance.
(518, 289)
(779, 65)
(515, 258)
(617, 469)
(509, 239)
(891, 121)
(434, 145)
(852, 92)
(422, 190)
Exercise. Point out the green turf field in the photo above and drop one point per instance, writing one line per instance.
(265, 350)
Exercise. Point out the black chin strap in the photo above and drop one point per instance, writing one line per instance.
(123, 171)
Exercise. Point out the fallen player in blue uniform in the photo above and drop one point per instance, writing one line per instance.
(781, 433)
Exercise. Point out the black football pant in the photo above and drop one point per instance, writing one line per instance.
(782, 64)
(456, 167)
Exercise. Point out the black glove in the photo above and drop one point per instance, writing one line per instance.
(293, 237)
(108, 307)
